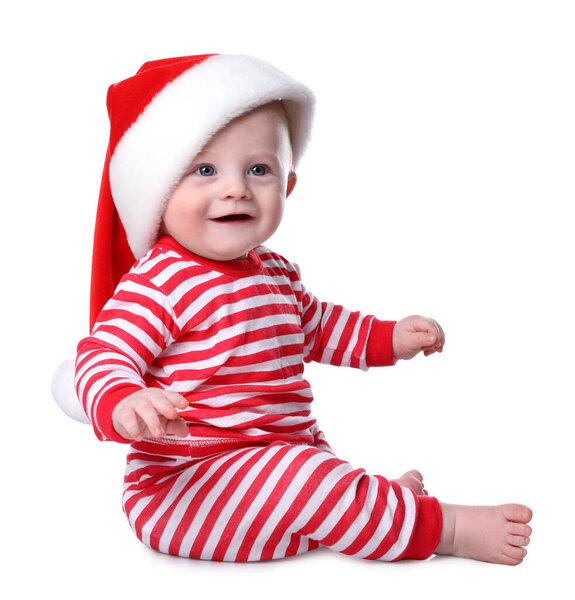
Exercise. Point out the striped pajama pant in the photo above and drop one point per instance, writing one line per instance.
(259, 502)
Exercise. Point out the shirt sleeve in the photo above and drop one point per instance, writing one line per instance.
(337, 336)
(134, 327)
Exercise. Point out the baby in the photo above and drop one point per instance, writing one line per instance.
(196, 352)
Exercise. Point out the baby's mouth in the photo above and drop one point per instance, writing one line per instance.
(237, 217)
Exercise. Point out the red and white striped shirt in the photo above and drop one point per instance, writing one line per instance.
(232, 337)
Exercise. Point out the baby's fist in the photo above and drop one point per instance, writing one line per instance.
(415, 334)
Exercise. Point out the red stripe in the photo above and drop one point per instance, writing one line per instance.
(350, 514)
(199, 496)
(338, 356)
(395, 530)
(157, 493)
(298, 504)
(237, 317)
(375, 516)
(245, 503)
(219, 505)
(359, 348)
(215, 303)
(157, 477)
(275, 496)
(232, 342)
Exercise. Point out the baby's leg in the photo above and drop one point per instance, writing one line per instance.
(495, 534)
(272, 502)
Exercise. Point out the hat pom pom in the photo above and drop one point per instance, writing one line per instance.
(64, 392)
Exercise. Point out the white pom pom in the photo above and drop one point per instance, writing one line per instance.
(64, 392)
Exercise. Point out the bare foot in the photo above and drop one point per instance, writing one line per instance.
(494, 534)
(414, 481)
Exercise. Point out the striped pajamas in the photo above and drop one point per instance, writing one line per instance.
(255, 478)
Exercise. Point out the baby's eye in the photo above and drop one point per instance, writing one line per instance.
(259, 170)
(205, 170)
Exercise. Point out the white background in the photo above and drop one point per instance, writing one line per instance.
(439, 181)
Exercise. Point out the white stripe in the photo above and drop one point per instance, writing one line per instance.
(214, 361)
(153, 258)
(312, 505)
(263, 366)
(190, 283)
(286, 501)
(191, 385)
(234, 500)
(137, 509)
(406, 527)
(185, 502)
(259, 501)
(189, 350)
(113, 340)
(208, 502)
(225, 400)
(339, 509)
(228, 308)
(361, 519)
(156, 296)
(93, 366)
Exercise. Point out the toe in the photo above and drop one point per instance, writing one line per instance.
(515, 553)
(517, 513)
(519, 529)
(518, 540)
(511, 562)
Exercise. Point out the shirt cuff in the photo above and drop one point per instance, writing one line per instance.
(379, 352)
(103, 424)
(426, 531)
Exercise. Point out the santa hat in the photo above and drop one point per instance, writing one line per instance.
(159, 120)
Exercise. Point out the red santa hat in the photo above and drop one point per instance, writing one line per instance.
(159, 120)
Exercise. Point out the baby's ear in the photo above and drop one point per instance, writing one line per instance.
(292, 180)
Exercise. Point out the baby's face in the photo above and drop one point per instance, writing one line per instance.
(232, 197)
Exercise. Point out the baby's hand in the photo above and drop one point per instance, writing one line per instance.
(414, 334)
(150, 412)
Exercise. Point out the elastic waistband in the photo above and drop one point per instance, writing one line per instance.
(191, 446)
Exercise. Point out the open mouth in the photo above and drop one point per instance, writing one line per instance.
(239, 217)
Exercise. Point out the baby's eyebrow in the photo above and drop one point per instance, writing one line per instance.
(203, 157)
(264, 155)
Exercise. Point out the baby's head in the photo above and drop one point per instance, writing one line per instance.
(231, 197)
(171, 112)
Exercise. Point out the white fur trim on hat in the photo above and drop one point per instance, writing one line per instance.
(64, 392)
(155, 151)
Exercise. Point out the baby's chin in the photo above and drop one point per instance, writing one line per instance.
(231, 251)
(230, 257)
(223, 255)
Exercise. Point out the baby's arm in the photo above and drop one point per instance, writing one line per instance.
(150, 412)
(134, 327)
(415, 334)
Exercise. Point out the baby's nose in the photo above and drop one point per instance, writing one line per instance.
(235, 188)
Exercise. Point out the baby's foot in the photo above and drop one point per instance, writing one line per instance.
(414, 481)
(494, 534)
